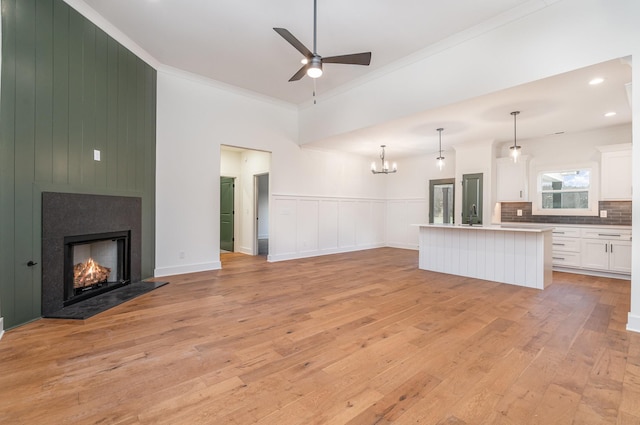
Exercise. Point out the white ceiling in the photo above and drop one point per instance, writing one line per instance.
(234, 42)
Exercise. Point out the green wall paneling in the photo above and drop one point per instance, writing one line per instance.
(67, 89)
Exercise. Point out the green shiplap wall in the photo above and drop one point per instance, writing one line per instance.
(67, 88)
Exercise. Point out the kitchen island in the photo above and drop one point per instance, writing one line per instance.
(517, 255)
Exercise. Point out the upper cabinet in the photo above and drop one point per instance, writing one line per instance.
(616, 172)
(511, 179)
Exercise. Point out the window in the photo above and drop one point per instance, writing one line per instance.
(570, 191)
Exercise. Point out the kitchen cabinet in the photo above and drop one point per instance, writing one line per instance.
(566, 247)
(616, 173)
(511, 180)
(606, 250)
(592, 250)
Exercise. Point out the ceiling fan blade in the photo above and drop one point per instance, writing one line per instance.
(354, 59)
(301, 73)
(294, 42)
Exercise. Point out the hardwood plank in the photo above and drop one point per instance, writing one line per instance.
(333, 340)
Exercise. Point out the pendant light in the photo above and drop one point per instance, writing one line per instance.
(440, 158)
(385, 165)
(515, 149)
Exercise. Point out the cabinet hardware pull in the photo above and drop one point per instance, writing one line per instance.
(521, 194)
(558, 233)
(31, 263)
(606, 246)
(559, 244)
(611, 248)
(558, 258)
(608, 234)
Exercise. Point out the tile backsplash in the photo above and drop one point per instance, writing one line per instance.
(618, 213)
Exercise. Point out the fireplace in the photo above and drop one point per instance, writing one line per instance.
(95, 264)
(77, 228)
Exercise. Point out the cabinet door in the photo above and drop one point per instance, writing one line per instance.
(616, 175)
(620, 256)
(595, 254)
(511, 180)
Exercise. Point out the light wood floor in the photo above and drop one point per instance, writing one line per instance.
(359, 338)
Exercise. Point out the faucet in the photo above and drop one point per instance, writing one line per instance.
(472, 212)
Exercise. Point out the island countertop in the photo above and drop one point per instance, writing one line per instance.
(518, 255)
(536, 228)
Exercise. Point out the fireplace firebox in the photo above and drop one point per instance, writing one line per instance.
(95, 264)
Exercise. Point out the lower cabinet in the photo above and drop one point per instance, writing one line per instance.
(592, 248)
(607, 255)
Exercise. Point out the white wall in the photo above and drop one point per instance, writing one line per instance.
(195, 117)
(252, 163)
(407, 196)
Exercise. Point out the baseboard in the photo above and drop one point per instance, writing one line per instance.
(244, 250)
(633, 323)
(592, 273)
(189, 268)
(309, 254)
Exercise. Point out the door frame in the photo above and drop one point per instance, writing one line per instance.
(435, 182)
(256, 198)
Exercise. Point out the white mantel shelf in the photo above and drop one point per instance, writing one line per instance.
(517, 255)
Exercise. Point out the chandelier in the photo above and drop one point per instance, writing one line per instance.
(385, 165)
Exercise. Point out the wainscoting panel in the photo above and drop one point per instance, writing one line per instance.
(307, 226)
(347, 220)
(401, 215)
(328, 223)
(284, 236)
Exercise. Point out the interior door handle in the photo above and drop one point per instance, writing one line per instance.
(31, 263)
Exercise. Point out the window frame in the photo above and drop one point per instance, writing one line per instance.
(593, 191)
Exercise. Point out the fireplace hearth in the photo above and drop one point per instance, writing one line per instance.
(91, 245)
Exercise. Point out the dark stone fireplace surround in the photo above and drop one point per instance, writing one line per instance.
(71, 214)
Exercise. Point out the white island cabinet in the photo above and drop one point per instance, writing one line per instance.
(517, 255)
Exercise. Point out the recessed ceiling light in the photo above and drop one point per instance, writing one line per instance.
(596, 81)
(609, 114)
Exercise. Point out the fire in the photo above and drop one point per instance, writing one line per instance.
(89, 273)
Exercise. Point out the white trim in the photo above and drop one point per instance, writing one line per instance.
(1, 327)
(293, 256)
(588, 272)
(633, 323)
(190, 268)
(594, 189)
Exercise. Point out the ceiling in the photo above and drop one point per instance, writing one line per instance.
(234, 42)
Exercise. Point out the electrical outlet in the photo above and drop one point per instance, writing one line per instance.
(519, 213)
(603, 213)
(181, 255)
(96, 155)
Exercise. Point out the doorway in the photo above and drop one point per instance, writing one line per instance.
(441, 201)
(261, 183)
(227, 187)
(472, 198)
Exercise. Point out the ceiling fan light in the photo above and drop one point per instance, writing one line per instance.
(315, 68)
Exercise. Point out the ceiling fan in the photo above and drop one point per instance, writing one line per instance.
(312, 60)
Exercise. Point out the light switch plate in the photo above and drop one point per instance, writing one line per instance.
(96, 155)
(603, 213)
